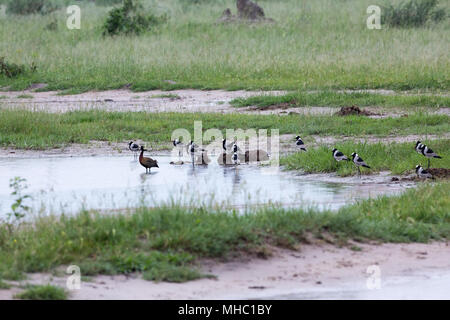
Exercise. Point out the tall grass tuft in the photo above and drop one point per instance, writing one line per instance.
(413, 13)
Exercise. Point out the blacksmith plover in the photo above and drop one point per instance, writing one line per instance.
(134, 147)
(359, 162)
(225, 146)
(419, 147)
(339, 156)
(427, 152)
(423, 173)
(299, 143)
(235, 158)
(177, 144)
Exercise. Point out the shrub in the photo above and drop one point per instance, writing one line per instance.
(412, 13)
(129, 19)
(24, 7)
(12, 70)
(45, 292)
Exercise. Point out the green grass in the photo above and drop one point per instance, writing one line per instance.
(165, 95)
(40, 130)
(398, 158)
(4, 285)
(313, 45)
(42, 292)
(166, 243)
(336, 99)
(25, 96)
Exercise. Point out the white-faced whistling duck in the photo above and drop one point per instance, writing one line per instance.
(147, 163)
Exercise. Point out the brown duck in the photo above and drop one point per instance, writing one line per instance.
(147, 163)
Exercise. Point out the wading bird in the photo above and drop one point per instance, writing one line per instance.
(299, 143)
(235, 158)
(339, 156)
(419, 147)
(422, 173)
(147, 163)
(427, 152)
(179, 145)
(227, 147)
(359, 162)
(134, 147)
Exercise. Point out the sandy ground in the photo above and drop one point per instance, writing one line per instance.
(315, 271)
(286, 145)
(187, 100)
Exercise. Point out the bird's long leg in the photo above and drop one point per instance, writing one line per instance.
(359, 173)
(428, 163)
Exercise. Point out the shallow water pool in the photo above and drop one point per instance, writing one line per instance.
(66, 185)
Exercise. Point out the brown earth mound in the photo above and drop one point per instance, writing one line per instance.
(246, 11)
(354, 110)
(439, 172)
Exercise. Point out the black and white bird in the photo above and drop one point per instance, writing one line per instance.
(235, 158)
(359, 162)
(419, 147)
(299, 143)
(192, 147)
(179, 145)
(227, 147)
(427, 152)
(423, 173)
(235, 148)
(339, 156)
(134, 147)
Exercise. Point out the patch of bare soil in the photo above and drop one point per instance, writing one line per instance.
(354, 110)
(440, 172)
(313, 267)
(125, 100)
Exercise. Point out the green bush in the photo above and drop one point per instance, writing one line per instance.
(128, 19)
(44, 292)
(412, 13)
(24, 7)
(12, 70)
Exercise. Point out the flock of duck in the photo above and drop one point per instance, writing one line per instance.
(232, 155)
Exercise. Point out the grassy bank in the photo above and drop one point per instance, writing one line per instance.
(166, 243)
(396, 157)
(313, 45)
(336, 99)
(40, 130)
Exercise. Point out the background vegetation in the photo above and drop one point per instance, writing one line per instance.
(313, 44)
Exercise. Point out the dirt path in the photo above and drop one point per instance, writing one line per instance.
(311, 272)
(187, 100)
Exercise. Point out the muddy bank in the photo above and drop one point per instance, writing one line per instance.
(313, 271)
(126, 100)
(187, 100)
(287, 145)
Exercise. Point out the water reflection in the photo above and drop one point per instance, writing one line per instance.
(67, 184)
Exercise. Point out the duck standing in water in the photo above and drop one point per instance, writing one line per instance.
(147, 163)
